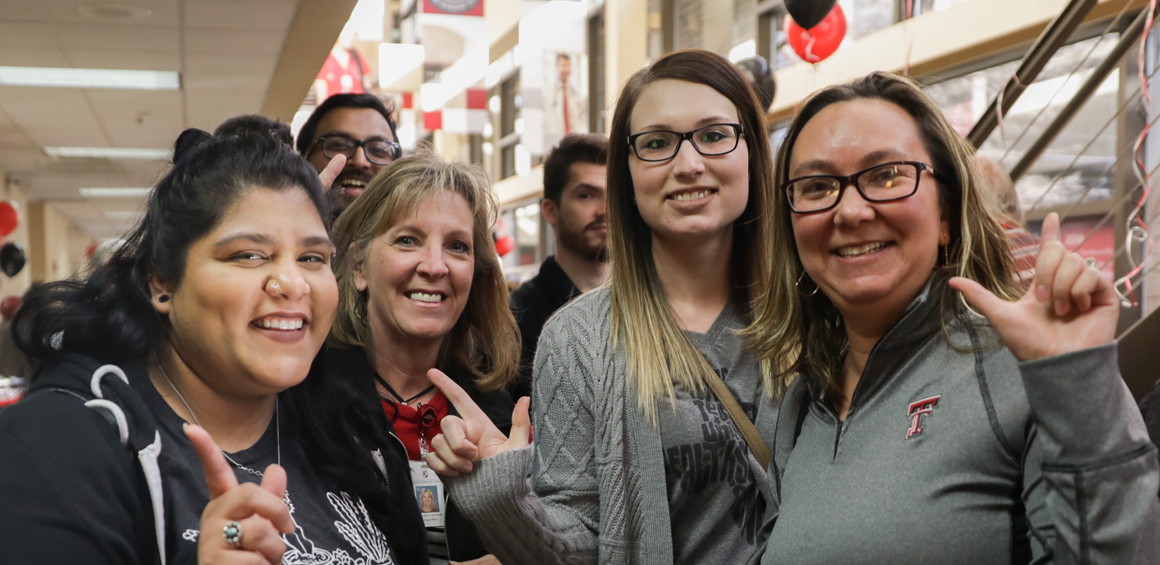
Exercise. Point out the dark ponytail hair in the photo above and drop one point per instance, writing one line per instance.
(109, 316)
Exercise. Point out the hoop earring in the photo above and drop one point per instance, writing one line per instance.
(797, 285)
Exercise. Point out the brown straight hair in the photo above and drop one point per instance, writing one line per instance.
(811, 328)
(485, 341)
(657, 352)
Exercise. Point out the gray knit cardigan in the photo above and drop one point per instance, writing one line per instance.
(597, 488)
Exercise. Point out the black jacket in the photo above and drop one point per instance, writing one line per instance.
(533, 303)
(74, 491)
(463, 543)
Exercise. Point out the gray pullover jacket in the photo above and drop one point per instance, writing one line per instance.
(597, 492)
(966, 457)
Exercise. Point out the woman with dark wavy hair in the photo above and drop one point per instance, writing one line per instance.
(173, 417)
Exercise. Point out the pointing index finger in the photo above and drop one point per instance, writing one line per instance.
(467, 408)
(219, 476)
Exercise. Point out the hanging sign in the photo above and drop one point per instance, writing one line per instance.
(453, 7)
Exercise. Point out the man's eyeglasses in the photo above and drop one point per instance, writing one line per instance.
(711, 140)
(880, 183)
(378, 151)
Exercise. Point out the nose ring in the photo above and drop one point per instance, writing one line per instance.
(272, 286)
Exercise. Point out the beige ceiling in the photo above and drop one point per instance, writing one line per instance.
(229, 54)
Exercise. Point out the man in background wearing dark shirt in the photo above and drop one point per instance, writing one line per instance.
(575, 179)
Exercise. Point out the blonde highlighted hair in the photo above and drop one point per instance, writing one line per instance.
(657, 352)
(811, 329)
(485, 341)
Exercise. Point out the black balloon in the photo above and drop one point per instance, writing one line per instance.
(12, 258)
(809, 13)
(760, 76)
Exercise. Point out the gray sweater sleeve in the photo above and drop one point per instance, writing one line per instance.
(1093, 479)
(556, 518)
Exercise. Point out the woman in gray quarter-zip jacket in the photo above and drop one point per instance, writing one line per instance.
(920, 431)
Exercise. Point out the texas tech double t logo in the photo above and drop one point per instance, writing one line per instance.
(917, 410)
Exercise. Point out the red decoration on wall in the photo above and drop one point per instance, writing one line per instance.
(819, 42)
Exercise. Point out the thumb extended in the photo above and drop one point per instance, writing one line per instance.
(981, 299)
(521, 424)
(274, 481)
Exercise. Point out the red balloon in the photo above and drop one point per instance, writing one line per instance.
(9, 217)
(9, 306)
(820, 41)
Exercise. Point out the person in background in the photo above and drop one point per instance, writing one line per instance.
(174, 416)
(421, 288)
(575, 183)
(357, 126)
(995, 184)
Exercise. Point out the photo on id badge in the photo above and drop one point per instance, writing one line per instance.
(428, 493)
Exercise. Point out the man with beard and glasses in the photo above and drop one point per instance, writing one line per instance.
(575, 177)
(358, 126)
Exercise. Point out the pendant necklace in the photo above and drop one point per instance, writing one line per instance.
(428, 415)
(277, 424)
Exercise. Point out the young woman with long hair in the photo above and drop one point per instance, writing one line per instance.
(200, 333)
(420, 288)
(919, 430)
(636, 458)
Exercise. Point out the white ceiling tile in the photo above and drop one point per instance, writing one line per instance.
(149, 107)
(126, 135)
(197, 82)
(160, 13)
(239, 15)
(232, 64)
(234, 41)
(80, 136)
(32, 57)
(116, 37)
(121, 59)
(25, 34)
(27, 10)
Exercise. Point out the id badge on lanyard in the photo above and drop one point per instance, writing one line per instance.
(429, 494)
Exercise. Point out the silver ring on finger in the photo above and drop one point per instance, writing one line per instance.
(233, 534)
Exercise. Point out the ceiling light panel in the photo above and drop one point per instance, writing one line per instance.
(109, 152)
(113, 192)
(60, 77)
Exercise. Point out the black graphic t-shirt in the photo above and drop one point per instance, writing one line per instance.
(715, 504)
(331, 526)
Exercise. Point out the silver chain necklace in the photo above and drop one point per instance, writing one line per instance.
(277, 422)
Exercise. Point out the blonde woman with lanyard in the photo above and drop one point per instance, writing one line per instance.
(420, 287)
(637, 456)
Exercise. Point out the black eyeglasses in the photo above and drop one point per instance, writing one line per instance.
(710, 141)
(378, 151)
(880, 183)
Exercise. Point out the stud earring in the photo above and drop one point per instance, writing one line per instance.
(163, 298)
